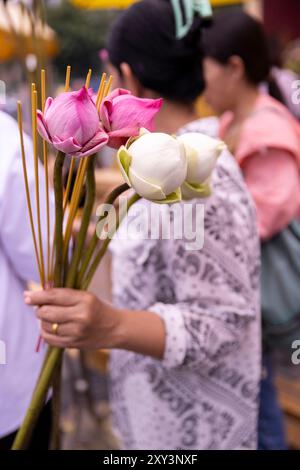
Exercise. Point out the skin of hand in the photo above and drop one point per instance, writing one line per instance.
(86, 322)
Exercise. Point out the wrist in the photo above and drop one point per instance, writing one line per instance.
(142, 332)
(121, 328)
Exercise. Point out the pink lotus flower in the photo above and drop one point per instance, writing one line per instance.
(123, 115)
(70, 122)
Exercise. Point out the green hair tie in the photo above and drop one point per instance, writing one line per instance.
(191, 7)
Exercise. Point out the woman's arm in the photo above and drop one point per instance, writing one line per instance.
(85, 322)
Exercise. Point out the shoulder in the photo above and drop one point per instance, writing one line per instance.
(271, 125)
(208, 126)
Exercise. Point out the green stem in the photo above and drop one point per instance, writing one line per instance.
(58, 282)
(94, 240)
(86, 215)
(53, 355)
(56, 404)
(58, 236)
(38, 400)
(106, 242)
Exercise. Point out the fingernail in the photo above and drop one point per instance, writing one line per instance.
(27, 300)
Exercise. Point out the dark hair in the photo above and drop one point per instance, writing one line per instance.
(234, 32)
(144, 37)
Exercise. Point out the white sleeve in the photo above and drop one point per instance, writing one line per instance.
(15, 231)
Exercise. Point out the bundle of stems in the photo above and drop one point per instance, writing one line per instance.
(64, 264)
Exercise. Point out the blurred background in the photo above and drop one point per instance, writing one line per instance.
(56, 33)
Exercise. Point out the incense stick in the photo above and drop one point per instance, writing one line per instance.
(101, 90)
(108, 85)
(88, 79)
(68, 76)
(36, 171)
(67, 87)
(20, 122)
(72, 164)
(45, 155)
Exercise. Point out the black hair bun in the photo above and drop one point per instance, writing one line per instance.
(144, 36)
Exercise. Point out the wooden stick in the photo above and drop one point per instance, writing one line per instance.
(101, 90)
(88, 79)
(69, 181)
(20, 122)
(45, 155)
(67, 87)
(36, 172)
(108, 86)
(75, 202)
(68, 76)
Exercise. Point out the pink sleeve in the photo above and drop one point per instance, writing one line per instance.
(273, 179)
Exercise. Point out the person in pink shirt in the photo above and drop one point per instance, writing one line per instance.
(264, 137)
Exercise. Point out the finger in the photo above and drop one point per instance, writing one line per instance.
(62, 297)
(64, 329)
(53, 314)
(55, 340)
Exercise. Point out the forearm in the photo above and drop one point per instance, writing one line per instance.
(141, 332)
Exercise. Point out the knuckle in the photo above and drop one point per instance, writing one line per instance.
(51, 294)
(79, 329)
(43, 311)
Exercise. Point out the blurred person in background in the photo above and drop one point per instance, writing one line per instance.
(184, 325)
(264, 138)
(19, 330)
(284, 79)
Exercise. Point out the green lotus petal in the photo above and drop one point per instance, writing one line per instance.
(171, 198)
(191, 190)
(124, 160)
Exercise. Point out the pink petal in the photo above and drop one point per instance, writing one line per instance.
(117, 92)
(129, 111)
(94, 145)
(105, 111)
(120, 137)
(48, 103)
(108, 104)
(68, 146)
(73, 115)
(41, 127)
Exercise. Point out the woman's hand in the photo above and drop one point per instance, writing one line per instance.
(83, 321)
(77, 319)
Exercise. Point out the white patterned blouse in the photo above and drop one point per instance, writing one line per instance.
(204, 393)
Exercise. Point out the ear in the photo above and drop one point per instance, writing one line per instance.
(237, 67)
(130, 81)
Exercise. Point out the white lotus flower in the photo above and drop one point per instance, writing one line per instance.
(202, 153)
(155, 165)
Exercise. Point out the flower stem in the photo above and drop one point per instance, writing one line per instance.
(54, 355)
(58, 236)
(106, 242)
(86, 215)
(94, 240)
(38, 399)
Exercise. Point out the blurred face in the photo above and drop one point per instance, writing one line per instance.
(221, 84)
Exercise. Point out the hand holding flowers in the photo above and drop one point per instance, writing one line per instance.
(159, 167)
